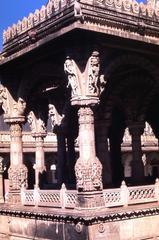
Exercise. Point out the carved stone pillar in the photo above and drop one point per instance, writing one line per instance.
(14, 116)
(86, 88)
(88, 168)
(58, 122)
(136, 130)
(1, 181)
(17, 172)
(40, 168)
(38, 129)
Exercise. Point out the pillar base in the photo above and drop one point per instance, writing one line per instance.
(90, 200)
(14, 197)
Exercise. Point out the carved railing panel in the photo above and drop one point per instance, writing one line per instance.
(49, 198)
(71, 198)
(112, 197)
(142, 195)
(64, 198)
(27, 197)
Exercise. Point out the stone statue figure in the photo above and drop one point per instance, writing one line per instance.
(37, 125)
(10, 107)
(71, 69)
(56, 118)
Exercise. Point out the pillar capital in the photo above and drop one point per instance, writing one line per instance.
(136, 128)
(86, 86)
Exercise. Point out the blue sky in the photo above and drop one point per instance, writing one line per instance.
(14, 10)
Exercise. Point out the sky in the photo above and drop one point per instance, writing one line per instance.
(14, 10)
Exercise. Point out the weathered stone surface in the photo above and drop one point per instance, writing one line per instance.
(143, 228)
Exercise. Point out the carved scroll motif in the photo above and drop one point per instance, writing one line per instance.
(37, 125)
(10, 107)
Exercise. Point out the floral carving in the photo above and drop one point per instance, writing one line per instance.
(88, 177)
(17, 177)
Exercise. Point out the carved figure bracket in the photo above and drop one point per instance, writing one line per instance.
(87, 85)
(37, 125)
(10, 107)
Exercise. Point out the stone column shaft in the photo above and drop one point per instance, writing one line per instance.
(103, 151)
(1, 181)
(16, 147)
(39, 159)
(137, 164)
(88, 168)
(86, 135)
(61, 158)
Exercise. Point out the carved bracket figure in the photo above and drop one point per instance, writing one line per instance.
(10, 107)
(88, 85)
(37, 125)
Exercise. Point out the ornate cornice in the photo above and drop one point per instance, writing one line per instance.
(118, 17)
(84, 217)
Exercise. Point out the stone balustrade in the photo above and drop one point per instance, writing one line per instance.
(64, 198)
(49, 198)
(131, 7)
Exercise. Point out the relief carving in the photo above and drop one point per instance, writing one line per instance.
(88, 83)
(88, 177)
(70, 69)
(17, 177)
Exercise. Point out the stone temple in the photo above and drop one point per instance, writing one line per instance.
(79, 122)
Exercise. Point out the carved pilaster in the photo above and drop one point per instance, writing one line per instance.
(86, 88)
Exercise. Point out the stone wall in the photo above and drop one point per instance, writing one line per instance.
(141, 228)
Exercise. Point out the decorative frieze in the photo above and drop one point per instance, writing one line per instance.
(130, 7)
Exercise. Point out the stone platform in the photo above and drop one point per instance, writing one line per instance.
(129, 223)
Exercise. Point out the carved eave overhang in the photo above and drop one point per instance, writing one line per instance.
(106, 18)
(121, 18)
